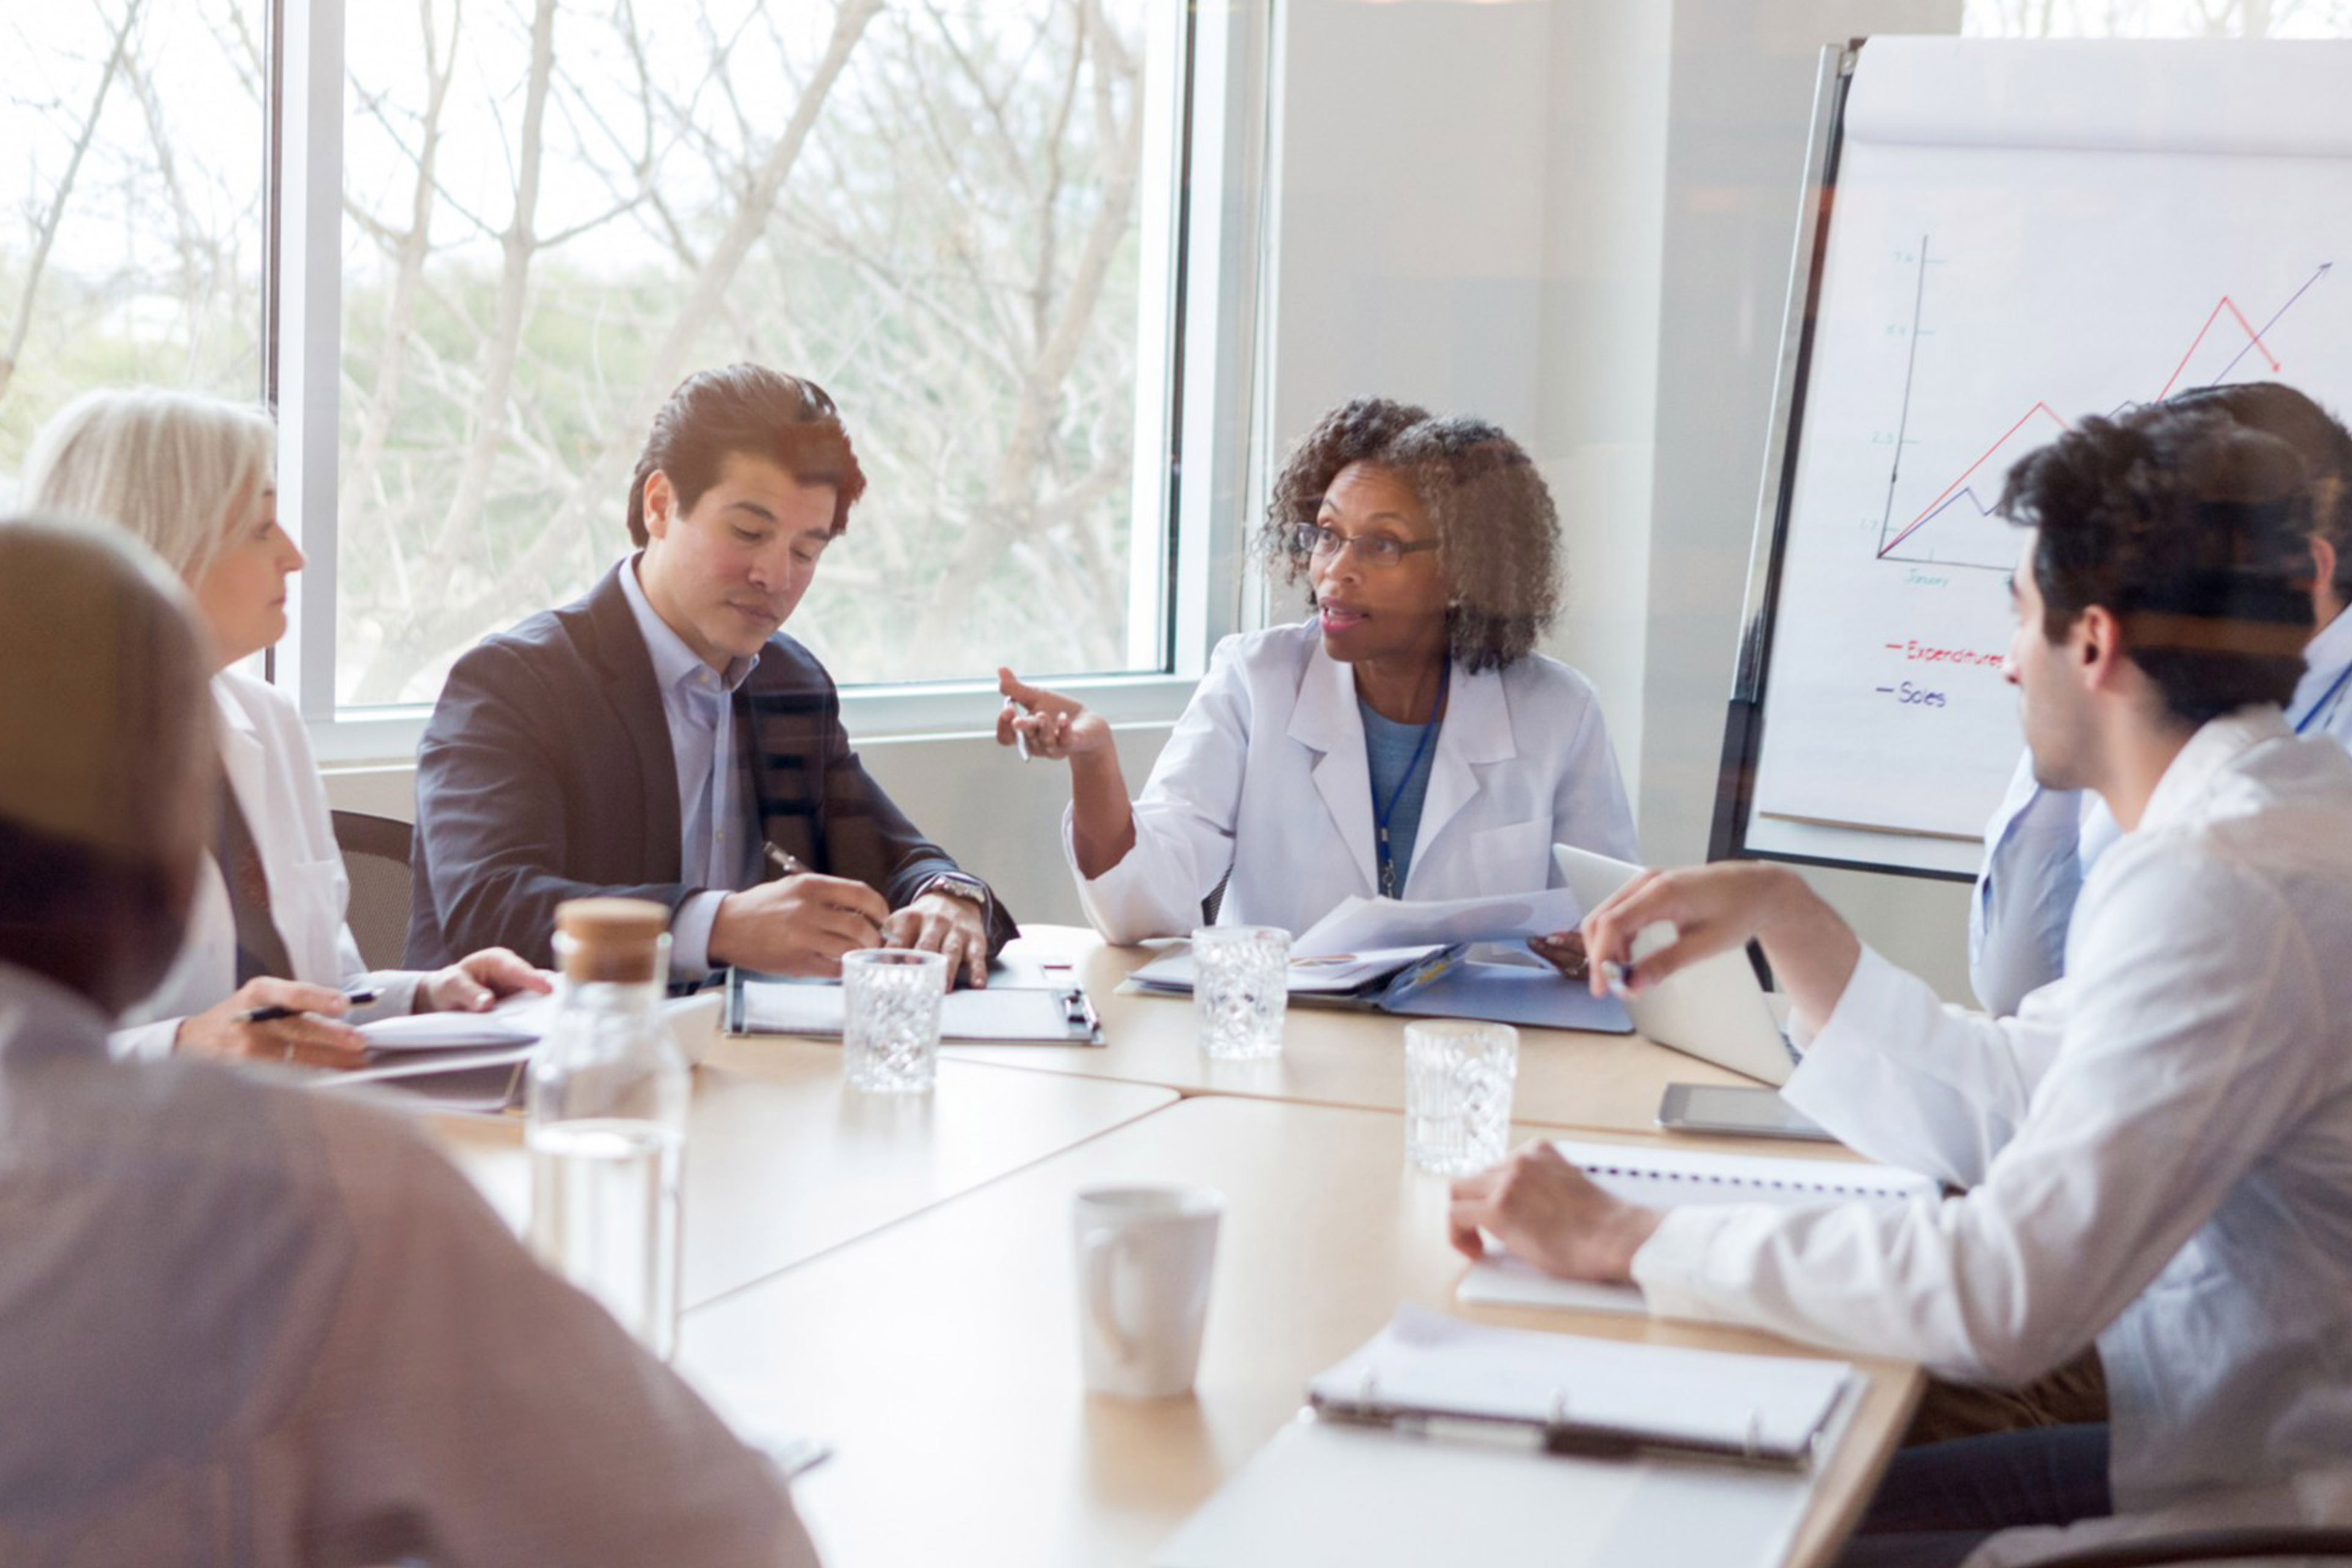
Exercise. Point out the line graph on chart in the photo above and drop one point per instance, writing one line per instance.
(1955, 525)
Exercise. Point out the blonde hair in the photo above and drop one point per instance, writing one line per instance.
(179, 470)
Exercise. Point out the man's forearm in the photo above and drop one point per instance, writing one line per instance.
(1812, 949)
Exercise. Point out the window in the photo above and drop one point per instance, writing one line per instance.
(962, 218)
(2157, 18)
(132, 226)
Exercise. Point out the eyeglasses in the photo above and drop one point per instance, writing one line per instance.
(1375, 550)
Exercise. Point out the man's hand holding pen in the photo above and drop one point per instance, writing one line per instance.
(803, 924)
(799, 924)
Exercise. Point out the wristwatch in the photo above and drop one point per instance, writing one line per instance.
(957, 885)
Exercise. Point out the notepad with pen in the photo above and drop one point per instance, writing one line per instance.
(998, 1014)
(1442, 1440)
(1576, 1395)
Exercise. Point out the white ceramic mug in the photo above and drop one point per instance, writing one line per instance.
(1144, 1256)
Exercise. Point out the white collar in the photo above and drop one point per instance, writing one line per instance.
(1477, 727)
(2324, 659)
(2217, 744)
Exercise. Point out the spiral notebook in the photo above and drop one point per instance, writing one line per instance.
(1671, 1178)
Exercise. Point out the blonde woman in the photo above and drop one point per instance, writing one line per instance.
(191, 478)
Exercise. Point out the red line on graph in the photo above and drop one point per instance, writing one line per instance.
(1920, 521)
(2225, 303)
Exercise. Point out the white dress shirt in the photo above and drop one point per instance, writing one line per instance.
(2159, 1148)
(255, 1326)
(266, 753)
(1266, 774)
(2041, 843)
(716, 849)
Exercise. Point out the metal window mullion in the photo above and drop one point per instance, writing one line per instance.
(1224, 253)
(310, 271)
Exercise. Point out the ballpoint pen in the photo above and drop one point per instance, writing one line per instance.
(789, 864)
(358, 997)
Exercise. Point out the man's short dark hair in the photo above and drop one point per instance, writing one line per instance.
(760, 412)
(2190, 530)
(2317, 437)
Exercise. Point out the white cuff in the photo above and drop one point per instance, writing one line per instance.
(690, 935)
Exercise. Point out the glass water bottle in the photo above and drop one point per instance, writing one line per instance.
(607, 1118)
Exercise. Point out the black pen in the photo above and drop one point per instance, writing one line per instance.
(359, 996)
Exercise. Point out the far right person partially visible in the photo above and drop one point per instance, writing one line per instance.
(1405, 739)
(2041, 843)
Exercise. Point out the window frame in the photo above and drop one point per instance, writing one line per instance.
(1206, 244)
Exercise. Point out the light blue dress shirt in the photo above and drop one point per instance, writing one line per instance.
(2041, 843)
(717, 848)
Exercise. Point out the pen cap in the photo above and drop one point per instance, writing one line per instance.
(611, 941)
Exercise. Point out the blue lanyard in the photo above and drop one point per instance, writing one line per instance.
(1421, 747)
(2326, 696)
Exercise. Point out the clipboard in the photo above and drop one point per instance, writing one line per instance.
(1048, 1014)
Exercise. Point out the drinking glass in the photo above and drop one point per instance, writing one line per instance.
(890, 1033)
(1457, 1094)
(1241, 989)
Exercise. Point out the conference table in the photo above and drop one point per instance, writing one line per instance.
(892, 1276)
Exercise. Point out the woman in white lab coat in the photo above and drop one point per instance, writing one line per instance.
(1404, 739)
(191, 476)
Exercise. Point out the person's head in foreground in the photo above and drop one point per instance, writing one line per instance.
(105, 760)
(191, 478)
(2166, 562)
(1420, 539)
(746, 476)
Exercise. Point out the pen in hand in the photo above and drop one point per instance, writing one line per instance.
(359, 997)
(790, 866)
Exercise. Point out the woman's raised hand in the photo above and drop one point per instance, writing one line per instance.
(1053, 726)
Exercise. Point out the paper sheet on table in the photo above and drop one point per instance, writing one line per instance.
(1337, 975)
(1360, 923)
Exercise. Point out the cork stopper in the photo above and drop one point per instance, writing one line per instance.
(611, 941)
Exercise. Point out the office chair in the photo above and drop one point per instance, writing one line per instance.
(375, 858)
(2212, 1546)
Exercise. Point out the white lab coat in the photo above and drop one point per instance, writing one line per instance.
(1266, 774)
(268, 759)
(2159, 1148)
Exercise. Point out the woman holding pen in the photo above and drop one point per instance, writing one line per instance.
(269, 970)
(1404, 739)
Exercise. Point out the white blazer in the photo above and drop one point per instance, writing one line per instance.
(268, 759)
(1266, 774)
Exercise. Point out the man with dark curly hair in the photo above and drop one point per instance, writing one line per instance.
(2153, 1150)
(1404, 739)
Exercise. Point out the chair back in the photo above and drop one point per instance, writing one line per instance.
(375, 858)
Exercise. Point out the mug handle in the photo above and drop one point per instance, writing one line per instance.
(1099, 1247)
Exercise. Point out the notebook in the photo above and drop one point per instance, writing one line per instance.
(1395, 1487)
(1670, 1178)
(1004, 1012)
